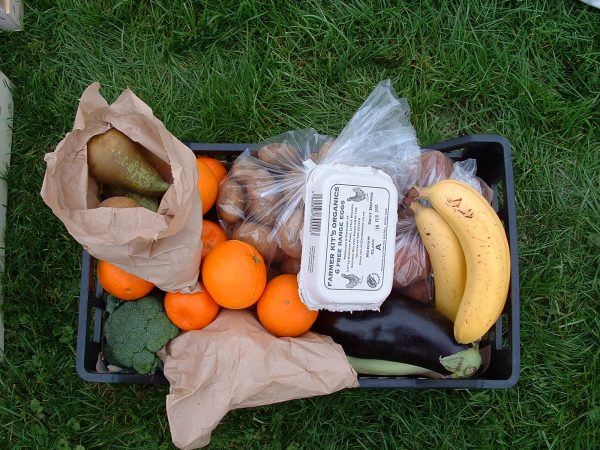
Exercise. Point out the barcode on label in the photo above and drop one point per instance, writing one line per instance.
(316, 212)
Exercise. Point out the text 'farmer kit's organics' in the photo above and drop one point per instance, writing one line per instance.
(301, 266)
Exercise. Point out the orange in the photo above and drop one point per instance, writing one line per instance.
(234, 274)
(190, 311)
(280, 309)
(216, 166)
(212, 234)
(207, 185)
(121, 284)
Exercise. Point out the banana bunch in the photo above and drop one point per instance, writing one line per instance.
(469, 256)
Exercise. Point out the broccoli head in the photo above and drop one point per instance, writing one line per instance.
(135, 331)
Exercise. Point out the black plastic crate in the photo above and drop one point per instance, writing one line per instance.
(494, 166)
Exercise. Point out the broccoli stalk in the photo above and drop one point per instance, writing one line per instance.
(135, 331)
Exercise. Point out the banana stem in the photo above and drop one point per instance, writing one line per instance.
(423, 193)
(411, 196)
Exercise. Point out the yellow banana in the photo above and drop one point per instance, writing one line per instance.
(485, 246)
(447, 259)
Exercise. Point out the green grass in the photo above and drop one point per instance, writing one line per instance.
(527, 70)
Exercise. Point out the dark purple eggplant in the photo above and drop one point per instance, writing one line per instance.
(403, 331)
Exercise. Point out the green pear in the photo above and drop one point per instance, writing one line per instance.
(162, 167)
(116, 160)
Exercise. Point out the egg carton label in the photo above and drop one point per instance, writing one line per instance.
(356, 235)
(348, 239)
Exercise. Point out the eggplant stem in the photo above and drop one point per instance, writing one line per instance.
(463, 364)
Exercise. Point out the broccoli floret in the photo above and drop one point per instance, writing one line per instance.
(135, 331)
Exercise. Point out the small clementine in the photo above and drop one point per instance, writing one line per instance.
(190, 311)
(121, 284)
(216, 166)
(212, 234)
(280, 309)
(207, 185)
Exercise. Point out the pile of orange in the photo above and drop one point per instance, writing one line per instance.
(233, 276)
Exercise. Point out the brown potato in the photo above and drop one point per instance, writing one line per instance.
(245, 171)
(256, 235)
(230, 202)
(261, 180)
(282, 155)
(261, 208)
(290, 232)
(289, 265)
(241, 164)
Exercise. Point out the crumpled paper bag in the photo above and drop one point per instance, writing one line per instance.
(164, 247)
(235, 363)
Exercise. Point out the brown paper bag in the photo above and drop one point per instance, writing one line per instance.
(162, 247)
(235, 363)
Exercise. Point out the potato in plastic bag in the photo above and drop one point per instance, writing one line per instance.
(412, 268)
(262, 199)
(266, 185)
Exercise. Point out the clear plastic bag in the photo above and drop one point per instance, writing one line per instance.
(465, 171)
(262, 200)
(411, 264)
